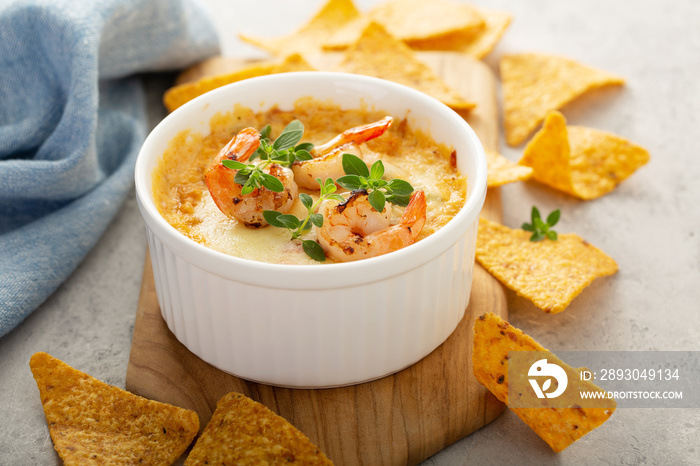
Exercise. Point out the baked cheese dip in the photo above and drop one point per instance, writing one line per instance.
(232, 191)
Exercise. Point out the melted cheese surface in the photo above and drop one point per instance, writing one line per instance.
(184, 200)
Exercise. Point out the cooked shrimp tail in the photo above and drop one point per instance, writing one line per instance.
(328, 160)
(242, 146)
(414, 215)
(356, 135)
(226, 193)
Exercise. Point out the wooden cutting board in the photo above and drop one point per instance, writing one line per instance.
(399, 419)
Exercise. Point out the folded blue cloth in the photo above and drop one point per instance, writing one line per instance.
(71, 124)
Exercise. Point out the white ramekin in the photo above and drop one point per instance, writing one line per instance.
(325, 325)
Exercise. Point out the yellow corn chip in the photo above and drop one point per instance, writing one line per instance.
(183, 93)
(584, 162)
(534, 84)
(477, 43)
(379, 54)
(559, 427)
(502, 171)
(412, 21)
(548, 273)
(308, 39)
(243, 432)
(179, 95)
(92, 422)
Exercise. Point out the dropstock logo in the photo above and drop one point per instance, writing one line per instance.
(542, 368)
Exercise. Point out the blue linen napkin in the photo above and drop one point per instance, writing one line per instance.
(71, 125)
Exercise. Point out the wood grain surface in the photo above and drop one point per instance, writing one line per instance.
(399, 419)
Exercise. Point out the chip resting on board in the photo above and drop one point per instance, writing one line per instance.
(494, 338)
(412, 21)
(550, 273)
(181, 94)
(379, 54)
(534, 84)
(244, 432)
(92, 422)
(584, 162)
(477, 43)
(502, 171)
(309, 38)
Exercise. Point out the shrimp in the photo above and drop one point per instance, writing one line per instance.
(354, 230)
(328, 160)
(247, 208)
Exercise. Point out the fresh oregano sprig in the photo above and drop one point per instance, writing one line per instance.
(541, 229)
(284, 151)
(380, 191)
(298, 227)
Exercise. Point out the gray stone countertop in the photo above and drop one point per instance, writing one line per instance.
(649, 225)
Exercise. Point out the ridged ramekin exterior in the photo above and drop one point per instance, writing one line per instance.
(315, 325)
(314, 338)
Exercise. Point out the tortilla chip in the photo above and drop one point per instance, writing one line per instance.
(534, 84)
(502, 171)
(92, 422)
(478, 43)
(379, 54)
(244, 432)
(308, 39)
(412, 21)
(559, 427)
(180, 95)
(584, 162)
(548, 273)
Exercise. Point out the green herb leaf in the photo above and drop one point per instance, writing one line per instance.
(329, 186)
(303, 228)
(265, 132)
(537, 236)
(400, 187)
(233, 164)
(541, 229)
(290, 136)
(313, 250)
(377, 200)
(270, 217)
(264, 150)
(377, 170)
(399, 200)
(272, 183)
(353, 165)
(317, 219)
(553, 218)
(304, 146)
(289, 221)
(306, 200)
(280, 156)
(241, 177)
(247, 189)
(303, 155)
(351, 182)
(376, 184)
(539, 224)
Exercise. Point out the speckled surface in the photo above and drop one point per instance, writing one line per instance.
(650, 225)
